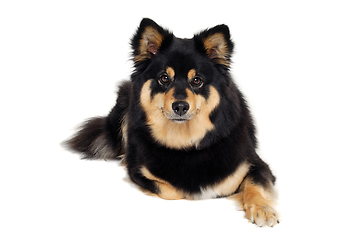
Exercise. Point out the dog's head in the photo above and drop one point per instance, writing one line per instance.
(182, 81)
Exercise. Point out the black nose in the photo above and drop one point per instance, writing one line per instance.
(180, 107)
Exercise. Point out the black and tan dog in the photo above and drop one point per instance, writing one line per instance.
(182, 125)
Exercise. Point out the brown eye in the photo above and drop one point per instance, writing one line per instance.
(164, 79)
(197, 82)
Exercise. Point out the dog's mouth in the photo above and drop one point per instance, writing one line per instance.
(176, 118)
(179, 120)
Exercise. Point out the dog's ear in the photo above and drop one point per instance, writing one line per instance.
(149, 39)
(216, 44)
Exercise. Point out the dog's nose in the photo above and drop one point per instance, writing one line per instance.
(180, 107)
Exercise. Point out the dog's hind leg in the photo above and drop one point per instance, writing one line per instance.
(162, 188)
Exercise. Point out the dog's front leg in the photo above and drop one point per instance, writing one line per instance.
(258, 202)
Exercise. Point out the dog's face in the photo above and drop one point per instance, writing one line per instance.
(181, 80)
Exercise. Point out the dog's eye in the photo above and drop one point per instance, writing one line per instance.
(197, 82)
(164, 79)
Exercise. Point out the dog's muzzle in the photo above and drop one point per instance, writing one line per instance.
(180, 112)
(180, 108)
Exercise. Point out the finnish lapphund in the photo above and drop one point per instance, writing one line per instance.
(182, 126)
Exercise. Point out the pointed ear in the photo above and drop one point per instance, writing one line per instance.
(216, 44)
(148, 39)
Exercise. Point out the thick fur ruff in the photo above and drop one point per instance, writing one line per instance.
(181, 124)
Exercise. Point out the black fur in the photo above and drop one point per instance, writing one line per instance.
(219, 153)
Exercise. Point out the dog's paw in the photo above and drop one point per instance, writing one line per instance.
(261, 215)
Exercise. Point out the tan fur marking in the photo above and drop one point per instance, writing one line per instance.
(230, 184)
(170, 71)
(258, 203)
(191, 74)
(167, 191)
(178, 135)
(149, 43)
(167, 101)
(216, 48)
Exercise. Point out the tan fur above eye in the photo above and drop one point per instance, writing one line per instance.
(191, 74)
(170, 71)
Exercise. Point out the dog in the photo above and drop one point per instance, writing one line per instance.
(182, 126)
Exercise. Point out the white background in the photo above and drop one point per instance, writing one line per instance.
(297, 62)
